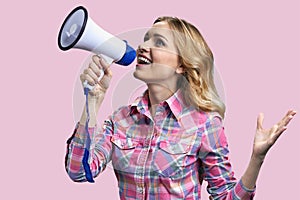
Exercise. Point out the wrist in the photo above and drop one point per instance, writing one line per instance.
(258, 159)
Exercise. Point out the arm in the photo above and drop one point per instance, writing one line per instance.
(263, 141)
(216, 165)
(100, 149)
(94, 103)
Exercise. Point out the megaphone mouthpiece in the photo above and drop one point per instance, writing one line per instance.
(128, 56)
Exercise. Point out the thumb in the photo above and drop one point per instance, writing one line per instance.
(260, 120)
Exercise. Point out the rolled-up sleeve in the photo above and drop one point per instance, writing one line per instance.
(217, 170)
(99, 151)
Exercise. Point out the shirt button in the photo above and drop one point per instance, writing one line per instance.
(140, 190)
(147, 142)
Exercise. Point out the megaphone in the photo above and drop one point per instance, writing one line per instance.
(81, 32)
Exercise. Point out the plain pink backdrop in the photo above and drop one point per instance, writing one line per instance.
(256, 45)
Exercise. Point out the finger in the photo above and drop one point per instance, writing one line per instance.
(290, 113)
(91, 74)
(96, 60)
(282, 125)
(102, 64)
(287, 118)
(281, 129)
(90, 80)
(82, 77)
(293, 113)
(274, 134)
(105, 67)
(260, 120)
(86, 77)
(94, 67)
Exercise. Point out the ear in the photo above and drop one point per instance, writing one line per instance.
(179, 70)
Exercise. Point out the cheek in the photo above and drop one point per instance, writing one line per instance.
(165, 57)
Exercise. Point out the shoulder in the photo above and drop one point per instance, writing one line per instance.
(203, 118)
(121, 113)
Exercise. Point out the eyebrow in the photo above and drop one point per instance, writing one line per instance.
(156, 35)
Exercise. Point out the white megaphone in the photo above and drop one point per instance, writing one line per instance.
(81, 32)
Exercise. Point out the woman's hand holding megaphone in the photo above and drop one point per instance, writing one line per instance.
(98, 75)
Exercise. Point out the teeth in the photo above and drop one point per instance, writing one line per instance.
(145, 60)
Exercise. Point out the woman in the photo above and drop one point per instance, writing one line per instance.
(169, 140)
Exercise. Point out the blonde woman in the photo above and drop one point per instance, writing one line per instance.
(170, 139)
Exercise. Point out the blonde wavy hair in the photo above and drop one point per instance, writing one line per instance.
(197, 62)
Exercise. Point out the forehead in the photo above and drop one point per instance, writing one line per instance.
(162, 24)
(162, 28)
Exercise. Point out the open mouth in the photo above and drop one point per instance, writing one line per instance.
(143, 60)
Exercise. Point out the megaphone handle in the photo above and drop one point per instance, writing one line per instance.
(109, 61)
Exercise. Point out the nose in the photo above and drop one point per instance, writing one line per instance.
(143, 48)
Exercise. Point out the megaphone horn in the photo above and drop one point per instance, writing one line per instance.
(81, 32)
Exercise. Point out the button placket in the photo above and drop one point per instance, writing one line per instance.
(142, 160)
(147, 142)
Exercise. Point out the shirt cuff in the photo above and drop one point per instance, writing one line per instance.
(243, 192)
(80, 135)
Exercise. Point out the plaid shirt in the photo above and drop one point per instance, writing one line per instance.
(165, 157)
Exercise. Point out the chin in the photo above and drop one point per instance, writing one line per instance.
(137, 76)
(142, 78)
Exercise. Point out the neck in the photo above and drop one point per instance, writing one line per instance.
(157, 94)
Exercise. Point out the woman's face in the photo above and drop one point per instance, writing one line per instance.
(157, 57)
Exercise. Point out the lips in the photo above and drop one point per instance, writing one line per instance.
(141, 59)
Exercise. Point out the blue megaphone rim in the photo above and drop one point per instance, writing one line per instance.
(64, 48)
(128, 57)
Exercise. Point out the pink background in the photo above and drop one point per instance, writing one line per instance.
(256, 45)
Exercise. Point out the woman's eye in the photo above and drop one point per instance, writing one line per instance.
(159, 42)
(146, 38)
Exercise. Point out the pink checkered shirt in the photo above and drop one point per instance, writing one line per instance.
(165, 157)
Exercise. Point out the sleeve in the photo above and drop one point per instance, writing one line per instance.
(99, 152)
(217, 170)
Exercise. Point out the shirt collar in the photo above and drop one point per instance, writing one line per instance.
(141, 104)
(176, 104)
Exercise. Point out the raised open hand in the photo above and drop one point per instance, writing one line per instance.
(266, 138)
